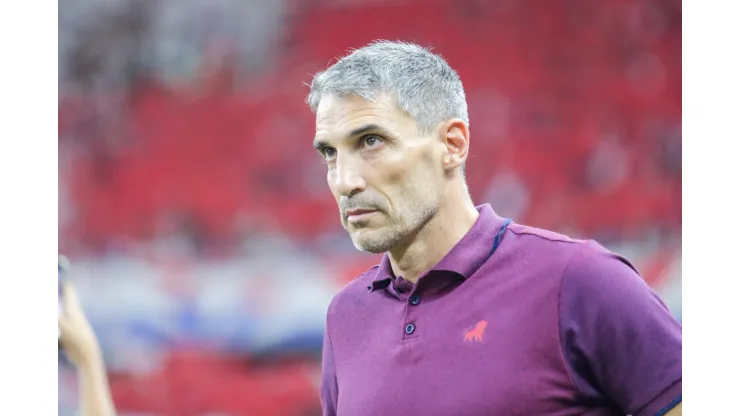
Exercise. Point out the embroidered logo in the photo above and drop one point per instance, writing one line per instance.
(475, 334)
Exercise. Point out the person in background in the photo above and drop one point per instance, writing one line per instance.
(82, 348)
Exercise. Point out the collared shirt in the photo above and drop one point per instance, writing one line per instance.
(513, 321)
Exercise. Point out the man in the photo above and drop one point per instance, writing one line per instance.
(467, 313)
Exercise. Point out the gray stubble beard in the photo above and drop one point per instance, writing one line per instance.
(399, 232)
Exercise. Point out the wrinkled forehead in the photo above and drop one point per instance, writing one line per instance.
(337, 116)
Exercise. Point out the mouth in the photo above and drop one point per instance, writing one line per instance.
(358, 214)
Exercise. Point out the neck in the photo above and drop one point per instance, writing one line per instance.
(432, 243)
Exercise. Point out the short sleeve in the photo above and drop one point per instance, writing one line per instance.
(329, 389)
(621, 343)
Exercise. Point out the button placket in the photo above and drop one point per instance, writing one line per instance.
(410, 325)
(415, 300)
(412, 299)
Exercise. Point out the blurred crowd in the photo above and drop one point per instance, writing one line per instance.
(204, 240)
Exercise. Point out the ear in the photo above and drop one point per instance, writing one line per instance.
(455, 136)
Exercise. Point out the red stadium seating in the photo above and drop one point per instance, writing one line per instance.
(563, 83)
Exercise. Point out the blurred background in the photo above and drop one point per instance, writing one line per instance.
(204, 241)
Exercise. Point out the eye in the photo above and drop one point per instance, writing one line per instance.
(329, 153)
(371, 140)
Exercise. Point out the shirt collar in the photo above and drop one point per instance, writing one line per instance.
(465, 258)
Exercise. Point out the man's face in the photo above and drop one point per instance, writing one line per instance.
(386, 176)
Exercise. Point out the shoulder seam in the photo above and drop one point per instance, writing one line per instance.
(561, 346)
(568, 241)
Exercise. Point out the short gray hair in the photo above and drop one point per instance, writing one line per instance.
(421, 82)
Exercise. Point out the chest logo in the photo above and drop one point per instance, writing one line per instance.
(475, 334)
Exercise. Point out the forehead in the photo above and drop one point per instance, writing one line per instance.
(340, 115)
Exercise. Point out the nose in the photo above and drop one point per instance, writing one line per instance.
(346, 177)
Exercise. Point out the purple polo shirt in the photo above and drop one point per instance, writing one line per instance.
(544, 325)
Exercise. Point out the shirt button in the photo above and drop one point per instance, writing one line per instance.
(410, 328)
(415, 300)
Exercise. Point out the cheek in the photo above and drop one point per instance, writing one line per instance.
(398, 168)
(395, 176)
(330, 176)
(410, 174)
(330, 181)
(431, 159)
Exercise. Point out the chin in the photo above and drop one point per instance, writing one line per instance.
(373, 241)
(369, 247)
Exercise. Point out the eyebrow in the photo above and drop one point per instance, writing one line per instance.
(318, 144)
